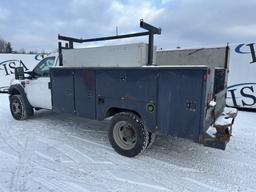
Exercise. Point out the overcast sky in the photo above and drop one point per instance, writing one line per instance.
(34, 24)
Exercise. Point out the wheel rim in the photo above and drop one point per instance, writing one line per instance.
(16, 107)
(125, 135)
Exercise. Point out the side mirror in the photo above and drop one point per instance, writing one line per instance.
(30, 74)
(19, 73)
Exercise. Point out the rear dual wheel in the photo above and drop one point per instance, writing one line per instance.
(128, 136)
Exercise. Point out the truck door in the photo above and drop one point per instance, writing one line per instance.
(37, 89)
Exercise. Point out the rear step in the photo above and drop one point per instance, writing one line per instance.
(218, 135)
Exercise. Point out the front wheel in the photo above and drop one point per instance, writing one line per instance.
(127, 134)
(18, 108)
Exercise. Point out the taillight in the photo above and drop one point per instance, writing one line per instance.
(205, 77)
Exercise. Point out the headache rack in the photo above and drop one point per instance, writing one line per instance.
(151, 31)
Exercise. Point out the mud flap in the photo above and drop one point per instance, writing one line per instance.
(218, 135)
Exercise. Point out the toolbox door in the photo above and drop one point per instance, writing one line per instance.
(84, 86)
(180, 103)
(62, 91)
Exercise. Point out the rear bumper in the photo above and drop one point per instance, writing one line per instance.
(218, 135)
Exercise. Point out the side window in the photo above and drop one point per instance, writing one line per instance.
(42, 69)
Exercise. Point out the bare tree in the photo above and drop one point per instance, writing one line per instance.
(5, 47)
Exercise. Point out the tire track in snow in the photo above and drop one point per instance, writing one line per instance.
(65, 186)
(54, 166)
(71, 152)
(204, 186)
(8, 155)
(20, 177)
(92, 142)
(170, 165)
(176, 182)
(143, 184)
(110, 153)
(85, 166)
(105, 175)
(9, 140)
(81, 158)
(75, 178)
(49, 158)
(52, 185)
(148, 158)
(2, 189)
(158, 162)
(210, 166)
(77, 187)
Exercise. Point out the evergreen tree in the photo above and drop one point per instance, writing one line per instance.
(8, 48)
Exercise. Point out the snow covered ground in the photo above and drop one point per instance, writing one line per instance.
(53, 152)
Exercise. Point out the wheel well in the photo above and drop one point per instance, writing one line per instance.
(14, 92)
(114, 110)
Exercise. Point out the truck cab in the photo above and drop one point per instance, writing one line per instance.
(37, 88)
(31, 89)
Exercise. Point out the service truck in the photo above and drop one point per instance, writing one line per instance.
(125, 84)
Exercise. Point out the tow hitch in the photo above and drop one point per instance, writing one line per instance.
(218, 135)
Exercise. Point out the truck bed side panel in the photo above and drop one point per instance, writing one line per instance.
(127, 89)
(170, 101)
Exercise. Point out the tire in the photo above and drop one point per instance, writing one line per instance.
(151, 139)
(19, 109)
(127, 135)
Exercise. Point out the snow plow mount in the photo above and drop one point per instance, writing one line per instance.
(218, 135)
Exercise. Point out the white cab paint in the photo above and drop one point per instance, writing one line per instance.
(38, 93)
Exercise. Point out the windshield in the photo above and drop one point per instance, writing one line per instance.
(42, 69)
